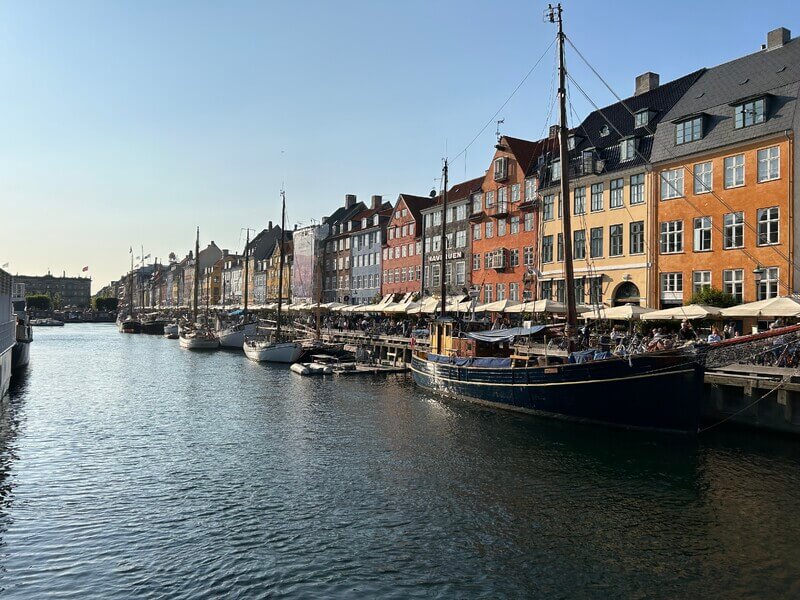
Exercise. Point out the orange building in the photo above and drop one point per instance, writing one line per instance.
(401, 264)
(503, 220)
(724, 171)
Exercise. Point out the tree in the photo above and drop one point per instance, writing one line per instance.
(713, 297)
(105, 304)
(38, 302)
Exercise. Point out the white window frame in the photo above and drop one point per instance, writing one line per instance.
(616, 197)
(700, 280)
(703, 177)
(637, 189)
(671, 286)
(769, 226)
(770, 160)
(672, 183)
(769, 285)
(671, 237)
(733, 283)
(733, 222)
(703, 236)
(734, 171)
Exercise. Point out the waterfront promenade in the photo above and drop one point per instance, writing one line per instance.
(130, 468)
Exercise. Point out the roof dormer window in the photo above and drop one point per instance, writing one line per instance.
(750, 113)
(627, 149)
(555, 170)
(641, 118)
(689, 130)
(364, 223)
(571, 142)
(375, 220)
(604, 131)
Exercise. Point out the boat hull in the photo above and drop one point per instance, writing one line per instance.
(5, 370)
(21, 354)
(652, 391)
(199, 343)
(171, 329)
(285, 352)
(233, 337)
(130, 327)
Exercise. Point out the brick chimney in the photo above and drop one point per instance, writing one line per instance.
(777, 38)
(270, 226)
(349, 200)
(553, 133)
(376, 202)
(646, 82)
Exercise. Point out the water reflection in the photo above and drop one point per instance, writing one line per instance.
(140, 466)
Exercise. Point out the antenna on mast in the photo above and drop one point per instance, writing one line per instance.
(497, 130)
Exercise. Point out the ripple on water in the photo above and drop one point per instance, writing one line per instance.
(130, 468)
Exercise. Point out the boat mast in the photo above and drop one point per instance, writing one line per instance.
(569, 276)
(444, 240)
(130, 289)
(280, 266)
(246, 274)
(196, 272)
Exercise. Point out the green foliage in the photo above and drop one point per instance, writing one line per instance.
(38, 302)
(713, 297)
(105, 304)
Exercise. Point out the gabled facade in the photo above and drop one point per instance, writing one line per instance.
(307, 263)
(457, 252)
(257, 251)
(368, 234)
(724, 177)
(336, 263)
(272, 272)
(503, 222)
(610, 205)
(402, 252)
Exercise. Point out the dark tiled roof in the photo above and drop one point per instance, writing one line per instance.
(415, 204)
(460, 191)
(775, 72)
(620, 123)
(525, 152)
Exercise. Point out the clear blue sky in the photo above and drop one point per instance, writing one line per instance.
(128, 123)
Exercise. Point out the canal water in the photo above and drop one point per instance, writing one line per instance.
(130, 468)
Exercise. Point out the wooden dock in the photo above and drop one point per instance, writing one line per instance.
(359, 369)
(752, 395)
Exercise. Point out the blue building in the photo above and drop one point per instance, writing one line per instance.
(367, 237)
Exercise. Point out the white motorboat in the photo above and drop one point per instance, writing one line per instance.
(311, 368)
(233, 336)
(264, 350)
(171, 330)
(199, 339)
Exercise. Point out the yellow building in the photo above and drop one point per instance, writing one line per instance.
(610, 205)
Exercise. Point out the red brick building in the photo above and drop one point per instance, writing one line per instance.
(402, 253)
(504, 222)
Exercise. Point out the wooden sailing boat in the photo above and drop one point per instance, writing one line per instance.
(232, 336)
(198, 336)
(129, 324)
(655, 390)
(275, 346)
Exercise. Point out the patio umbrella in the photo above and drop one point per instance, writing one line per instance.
(626, 312)
(498, 306)
(679, 313)
(783, 306)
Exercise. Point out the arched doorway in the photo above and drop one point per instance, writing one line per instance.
(626, 293)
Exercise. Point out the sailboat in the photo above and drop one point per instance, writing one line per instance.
(129, 323)
(195, 336)
(654, 390)
(273, 346)
(232, 336)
